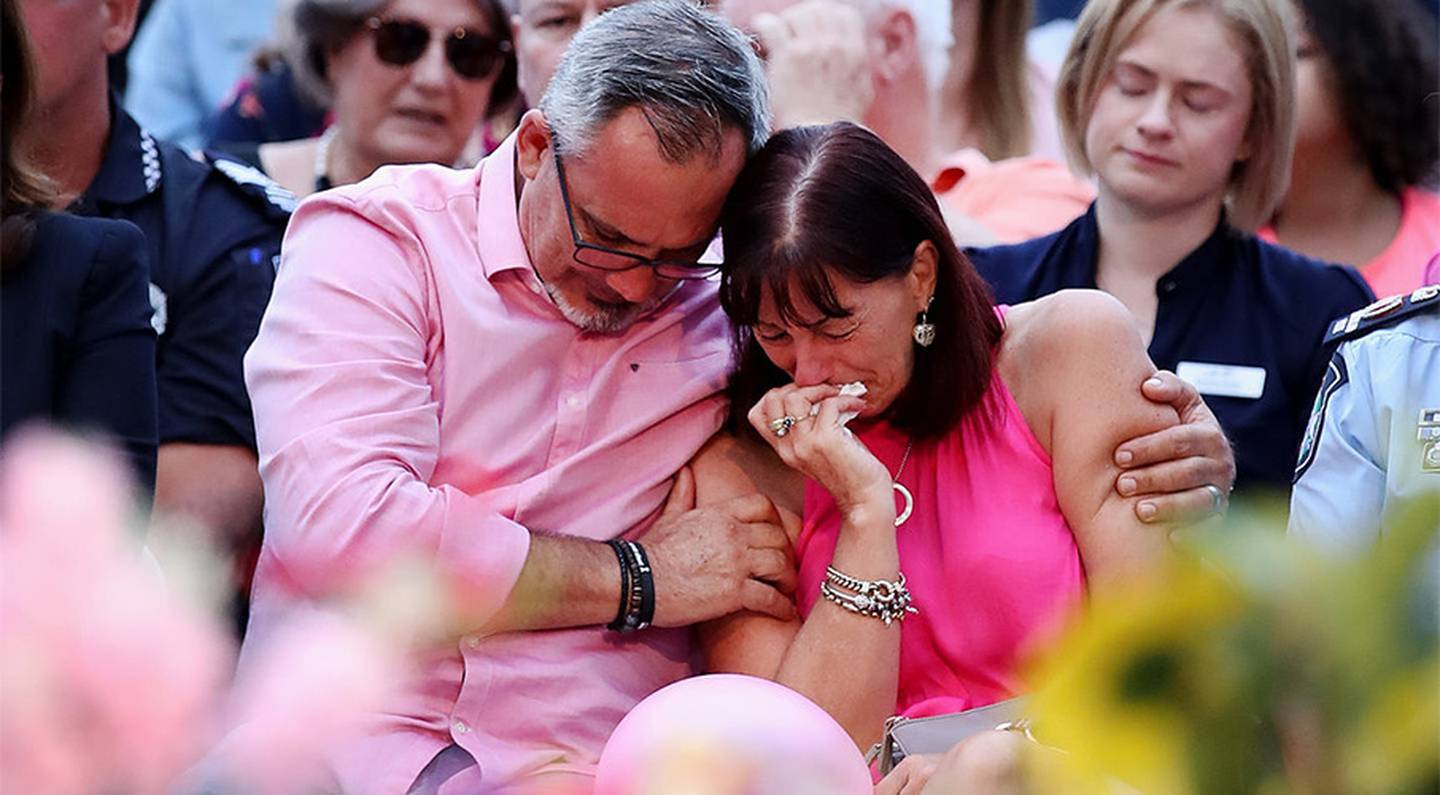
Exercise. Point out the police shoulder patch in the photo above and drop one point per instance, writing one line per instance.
(254, 182)
(1384, 312)
(1336, 376)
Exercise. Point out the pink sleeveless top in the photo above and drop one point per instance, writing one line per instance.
(986, 554)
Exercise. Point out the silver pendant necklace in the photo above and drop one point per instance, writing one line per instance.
(901, 490)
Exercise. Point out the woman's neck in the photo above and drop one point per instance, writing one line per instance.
(1334, 211)
(1138, 247)
(1136, 244)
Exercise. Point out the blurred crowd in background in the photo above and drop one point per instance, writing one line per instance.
(156, 150)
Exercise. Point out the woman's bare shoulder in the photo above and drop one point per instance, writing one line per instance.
(1070, 340)
(1071, 321)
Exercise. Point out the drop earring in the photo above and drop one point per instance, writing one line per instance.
(924, 332)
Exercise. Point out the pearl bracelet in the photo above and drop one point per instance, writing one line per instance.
(886, 600)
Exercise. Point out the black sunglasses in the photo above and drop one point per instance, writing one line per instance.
(612, 259)
(472, 54)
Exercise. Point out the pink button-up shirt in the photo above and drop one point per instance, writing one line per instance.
(416, 391)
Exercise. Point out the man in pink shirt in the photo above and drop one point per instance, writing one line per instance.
(458, 365)
(499, 371)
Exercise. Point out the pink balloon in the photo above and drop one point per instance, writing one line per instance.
(726, 734)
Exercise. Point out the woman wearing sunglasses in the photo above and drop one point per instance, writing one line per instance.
(407, 81)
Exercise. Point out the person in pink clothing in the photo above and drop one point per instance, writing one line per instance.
(500, 371)
(974, 488)
(1367, 142)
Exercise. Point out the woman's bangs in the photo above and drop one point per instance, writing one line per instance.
(793, 280)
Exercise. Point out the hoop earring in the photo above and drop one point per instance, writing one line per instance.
(924, 332)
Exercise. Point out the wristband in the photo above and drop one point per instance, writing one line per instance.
(622, 555)
(637, 587)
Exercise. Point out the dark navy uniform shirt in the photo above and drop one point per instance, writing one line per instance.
(213, 231)
(1240, 318)
(78, 346)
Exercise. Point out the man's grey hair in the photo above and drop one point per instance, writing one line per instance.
(692, 74)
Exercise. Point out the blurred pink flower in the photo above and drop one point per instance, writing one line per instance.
(312, 687)
(112, 680)
(108, 682)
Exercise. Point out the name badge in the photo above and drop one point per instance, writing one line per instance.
(1224, 380)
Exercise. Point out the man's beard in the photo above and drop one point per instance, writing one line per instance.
(606, 318)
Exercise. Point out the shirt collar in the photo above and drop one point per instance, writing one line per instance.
(130, 170)
(1206, 262)
(497, 235)
(1209, 262)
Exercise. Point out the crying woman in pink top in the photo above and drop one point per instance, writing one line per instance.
(967, 504)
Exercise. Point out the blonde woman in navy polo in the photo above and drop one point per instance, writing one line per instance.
(1184, 114)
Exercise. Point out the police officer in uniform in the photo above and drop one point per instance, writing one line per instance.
(213, 233)
(1373, 442)
(213, 230)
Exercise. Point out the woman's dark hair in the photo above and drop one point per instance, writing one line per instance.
(23, 191)
(1383, 56)
(834, 201)
(317, 28)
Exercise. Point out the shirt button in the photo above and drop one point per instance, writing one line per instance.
(472, 642)
(460, 727)
(573, 401)
(1168, 286)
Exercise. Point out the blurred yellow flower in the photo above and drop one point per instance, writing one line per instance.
(1119, 687)
(1255, 665)
(1395, 748)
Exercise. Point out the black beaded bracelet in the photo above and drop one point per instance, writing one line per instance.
(622, 554)
(637, 588)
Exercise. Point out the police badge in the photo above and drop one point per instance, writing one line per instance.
(1336, 376)
(1428, 433)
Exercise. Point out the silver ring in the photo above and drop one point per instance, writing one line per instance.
(782, 425)
(1217, 498)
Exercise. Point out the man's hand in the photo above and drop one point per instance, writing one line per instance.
(1183, 473)
(717, 560)
(817, 62)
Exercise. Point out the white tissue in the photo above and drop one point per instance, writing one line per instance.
(852, 389)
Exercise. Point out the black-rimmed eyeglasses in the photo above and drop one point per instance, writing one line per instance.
(611, 259)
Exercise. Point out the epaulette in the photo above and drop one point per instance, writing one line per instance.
(1383, 313)
(254, 182)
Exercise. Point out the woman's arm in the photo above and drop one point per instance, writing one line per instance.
(727, 467)
(1081, 404)
(846, 663)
